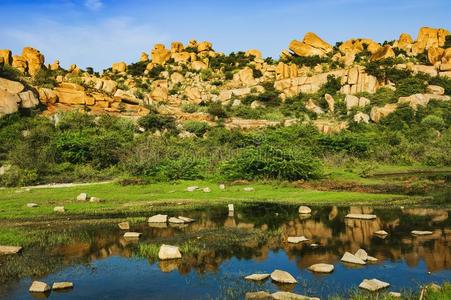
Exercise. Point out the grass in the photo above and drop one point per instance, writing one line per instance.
(133, 200)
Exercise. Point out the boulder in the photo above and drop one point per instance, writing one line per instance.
(248, 189)
(9, 250)
(6, 55)
(186, 219)
(55, 66)
(175, 220)
(373, 285)
(377, 113)
(296, 239)
(10, 86)
(192, 188)
(19, 63)
(302, 49)
(361, 117)
(321, 268)
(177, 78)
(381, 233)
(429, 37)
(132, 235)
(158, 219)
(361, 216)
(160, 55)
(404, 42)
(206, 190)
(361, 254)
(254, 52)
(313, 40)
(119, 67)
(39, 287)
(62, 285)
(261, 295)
(28, 99)
(124, 225)
(47, 95)
(394, 294)
(421, 99)
(371, 259)
(282, 277)
(34, 59)
(311, 106)
(204, 46)
(435, 54)
(9, 103)
(257, 277)
(193, 94)
(177, 47)
(82, 197)
(222, 186)
(352, 259)
(354, 46)
(71, 94)
(290, 296)
(144, 57)
(421, 232)
(182, 56)
(383, 53)
(59, 209)
(95, 200)
(198, 65)
(330, 102)
(32, 205)
(245, 76)
(127, 96)
(169, 252)
(435, 90)
(304, 210)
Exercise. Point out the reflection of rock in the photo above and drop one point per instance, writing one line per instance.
(169, 265)
(333, 213)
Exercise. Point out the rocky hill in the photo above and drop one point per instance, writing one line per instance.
(358, 80)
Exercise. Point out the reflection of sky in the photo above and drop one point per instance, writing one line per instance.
(121, 278)
(99, 32)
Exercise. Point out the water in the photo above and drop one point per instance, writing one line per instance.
(103, 265)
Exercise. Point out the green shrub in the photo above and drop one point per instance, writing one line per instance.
(217, 110)
(154, 121)
(9, 72)
(44, 78)
(16, 176)
(186, 168)
(137, 69)
(410, 86)
(199, 128)
(433, 121)
(444, 82)
(189, 108)
(155, 71)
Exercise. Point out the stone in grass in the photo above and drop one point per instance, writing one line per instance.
(65, 285)
(186, 219)
(395, 294)
(304, 210)
(95, 200)
(222, 186)
(175, 220)
(132, 235)
(5, 250)
(381, 233)
(373, 284)
(261, 295)
(361, 254)
(361, 216)
(59, 209)
(257, 277)
(248, 189)
(352, 259)
(32, 205)
(39, 287)
(231, 208)
(158, 219)
(321, 268)
(82, 197)
(290, 296)
(206, 190)
(282, 277)
(296, 239)
(421, 232)
(192, 188)
(169, 252)
(124, 225)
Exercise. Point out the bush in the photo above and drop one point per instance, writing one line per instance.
(199, 128)
(433, 121)
(137, 69)
(155, 71)
(180, 169)
(267, 162)
(44, 78)
(217, 110)
(16, 176)
(444, 82)
(410, 86)
(154, 122)
(189, 108)
(9, 72)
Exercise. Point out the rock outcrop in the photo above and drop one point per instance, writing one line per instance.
(311, 45)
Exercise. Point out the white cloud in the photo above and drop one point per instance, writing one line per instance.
(96, 45)
(94, 4)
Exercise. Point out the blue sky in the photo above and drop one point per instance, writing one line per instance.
(99, 32)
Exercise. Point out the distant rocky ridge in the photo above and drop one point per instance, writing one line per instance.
(169, 78)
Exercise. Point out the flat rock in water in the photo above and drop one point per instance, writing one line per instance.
(82, 197)
(361, 254)
(373, 284)
(132, 235)
(62, 285)
(381, 233)
(282, 277)
(169, 252)
(304, 210)
(361, 216)
(158, 219)
(258, 296)
(186, 219)
(192, 188)
(124, 225)
(420, 232)
(175, 220)
(352, 259)
(371, 259)
(231, 208)
(290, 296)
(321, 268)
(59, 209)
(257, 277)
(10, 250)
(296, 239)
(39, 287)
(32, 205)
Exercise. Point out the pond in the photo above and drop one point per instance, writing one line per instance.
(219, 250)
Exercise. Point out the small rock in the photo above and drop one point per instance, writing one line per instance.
(82, 197)
(174, 220)
(192, 188)
(222, 186)
(290, 296)
(433, 287)
(371, 259)
(351, 258)
(231, 208)
(10, 250)
(296, 239)
(59, 209)
(361, 216)
(314, 245)
(248, 189)
(169, 252)
(62, 285)
(32, 205)
(95, 200)
(206, 190)
(361, 254)
(321, 268)
(257, 277)
(395, 294)
(39, 287)
(124, 225)
(420, 232)
(261, 295)
(282, 277)
(132, 235)
(373, 285)
(158, 219)
(381, 233)
(304, 210)
(186, 219)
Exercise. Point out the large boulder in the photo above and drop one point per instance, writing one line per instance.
(19, 63)
(144, 57)
(72, 94)
(377, 113)
(47, 95)
(383, 53)
(315, 41)
(39, 287)
(10, 86)
(302, 49)
(404, 42)
(282, 277)
(177, 47)
(9, 103)
(429, 37)
(169, 252)
(193, 94)
(34, 58)
(361, 117)
(160, 55)
(254, 52)
(245, 76)
(6, 55)
(159, 90)
(421, 99)
(119, 67)
(355, 46)
(330, 102)
(28, 99)
(204, 46)
(198, 65)
(435, 54)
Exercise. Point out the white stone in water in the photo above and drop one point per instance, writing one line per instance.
(282, 277)
(124, 225)
(206, 190)
(361, 254)
(32, 205)
(59, 209)
(192, 188)
(169, 252)
(371, 259)
(361, 216)
(248, 189)
(381, 233)
(296, 239)
(231, 208)
(82, 197)
(290, 296)
(314, 245)
(304, 210)
(257, 277)
(186, 219)
(421, 232)
(260, 295)
(10, 249)
(132, 235)
(222, 186)
(175, 220)
(62, 285)
(351, 258)
(321, 268)
(395, 294)
(373, 284)
(158, 219)
(39, 287)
